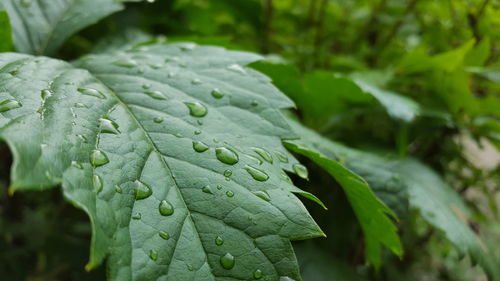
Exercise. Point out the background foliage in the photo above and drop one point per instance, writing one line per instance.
(400, 96)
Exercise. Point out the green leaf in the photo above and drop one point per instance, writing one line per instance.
(174, 151)
(41, 27)
(5, 32)
(372, 213)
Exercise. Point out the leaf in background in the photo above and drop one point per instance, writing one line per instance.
(5, 32)
(147, 141)
(372, 214)
(41, 27)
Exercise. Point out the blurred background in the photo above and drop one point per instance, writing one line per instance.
(417, 78)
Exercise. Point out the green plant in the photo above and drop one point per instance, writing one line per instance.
(180, 152)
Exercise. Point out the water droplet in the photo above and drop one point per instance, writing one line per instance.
(190, 267)
(178, 135)
(170, 74)
(187, 47)
(300, 170)
(45, 94)
(199, 122)
(228, 173)
(155, 65)
(142, 190)
(166, 209)
(219, 241)
(82, 138)
(7, 105)
(264, 154)
(227, 261)
(199, 146)
(282, 157)
(257, 174)
(286, 278)
(285, 177)
(76, 165)
(108, 126)
(237, 68)
(196, 81)
(136, 216)
(153, 254)
(98, 158)
(254, 103)
(197, 132)
(118, 189)
(129, 63)
(263, 195)
(146, 86)
(226, 155)
(91, 92)
(80, 105)
(97, 182)
(158, 120)
(164, 235)
(156, 95)
(229, 193)
(216, 93)
(219, 187)
(26, 3)
(207, 189)
(257, 160)
(196, 109)
(257, 274)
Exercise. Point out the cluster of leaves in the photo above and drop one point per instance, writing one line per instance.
(179, 152)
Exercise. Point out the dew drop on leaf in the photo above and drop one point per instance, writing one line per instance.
(156, 95)
(91, 92)
(237, 68)
(129, 63)
(190, 267)
(207, 189)
(165, 208)
(216, 93)
(7, 105)
(25, 3)
(196, 81)
(97, 182)
(257, 274)
(219, 187)
(196, 109)
(257, 174)
(98, 158)
(164, 235)
(226, 155)
(76, 165)
(199, 146)
(228, 173)
(264, 154)
(146, 86)
(301, 170)
(108, 126)
(82, 138)
(45, 94)
(227, 261)
(263, 195)
(158, 119)
(229, 193)
(254, 103)
(142, 190)
(136, 216)
(286, 278)
(153, 254)
(282, 157)
(118, 189)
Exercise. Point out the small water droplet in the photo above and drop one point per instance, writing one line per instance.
(118, 189)
(257, 274)
(263, 195)
(216, 93)
(228, 173)
(129, 63)
(82, 138)
(25, 3)
(207, 189)
(108, 126)
(199, 122)
(264, 154)
(282, 157)
(286, 278)
(196, 81)
(98, 158)
(300, 170)
(227, 261)
(164, 235)
(254, 103)
(76, 165)
(219, 241)
(146, 86)
(219, 187)
(97, 182)
(7, 105)
(197, 132)
(257, 174)
(91, 92)
(153, 254)
(229, 193)
(199, 146)
(178, 135)
(187, 47)
(45, 94)
(80, 105)
(226, 155)
(156, 95)
(170, 74)
(155, 65)
(237, 68)
(136, 216)
(196, 109)
(142, 190)
(165, 208)
(158, 119)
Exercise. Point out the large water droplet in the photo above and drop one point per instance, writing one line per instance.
(91, 92)
(98, 158)
(227, 261)
(226, 155)
(257, 274)
(219, 241)
(165, 208)
(300, 170)
(257, 174)
(97, 182)
(286, 278)
(282, 157)
(263, 195)
(196, 109)
(164, 235)
(7, 105)
(142, 190)
(229, 193)
(216, 93)
(264, 154)
(156, 95)
(129, 63)
(207, 189)
(199, 146)
(153, 254)
(108, 126)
